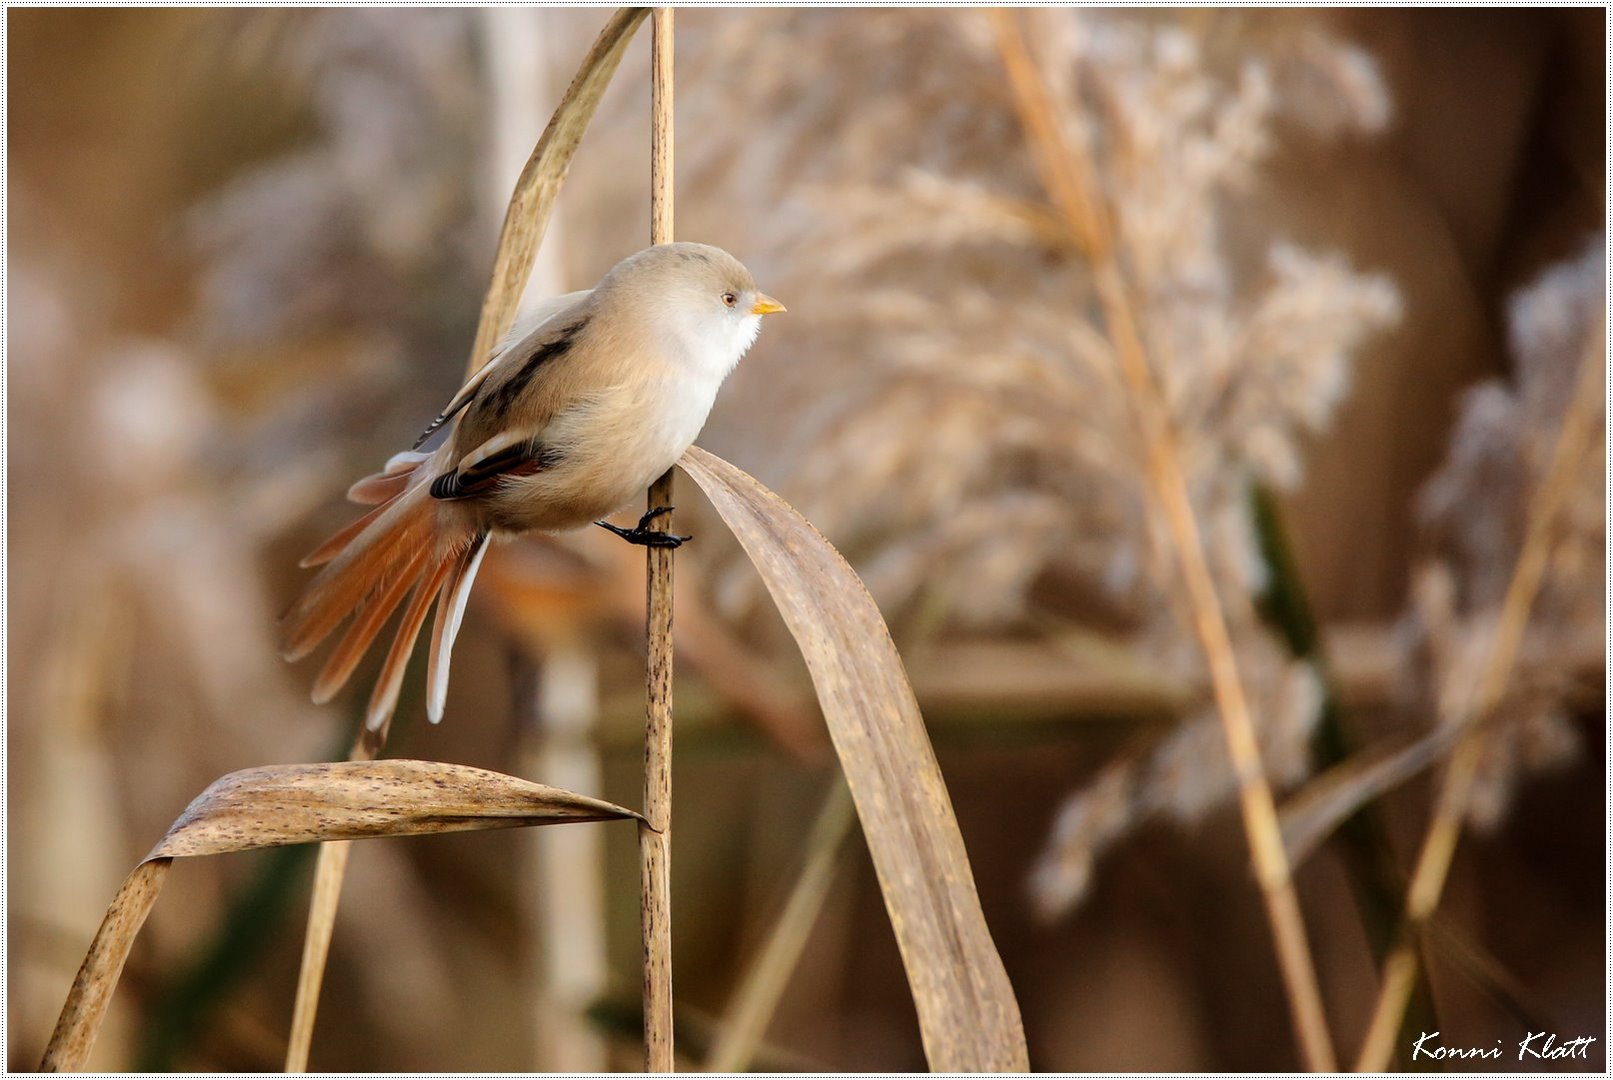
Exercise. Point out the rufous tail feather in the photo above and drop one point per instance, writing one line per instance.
(384, 699)
(368, 568)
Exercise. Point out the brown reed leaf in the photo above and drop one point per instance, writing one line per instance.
(968, 1016)
(353, 800)
(527, 217)
(70, 1044)
(299, 804)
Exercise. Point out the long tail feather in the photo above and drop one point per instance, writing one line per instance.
(364, 629)
(384, 699)
(408, 542)
(450, 613)
(373, 559)
(436, 662)
(338, 541)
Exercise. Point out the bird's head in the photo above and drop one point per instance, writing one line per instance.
(699, 295)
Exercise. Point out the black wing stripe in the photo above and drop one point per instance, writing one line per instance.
(520, 459)
(500, 400)
(506, 394)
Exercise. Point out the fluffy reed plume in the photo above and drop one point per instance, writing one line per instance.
(366, 224)
(951, 414)
(1474, 511)
(324, 273)
(154, 521)
(1182, 778)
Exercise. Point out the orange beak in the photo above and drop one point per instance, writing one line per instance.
(766, 305)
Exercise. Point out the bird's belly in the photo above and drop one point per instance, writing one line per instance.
(606, 460)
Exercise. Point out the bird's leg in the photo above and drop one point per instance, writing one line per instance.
(644, 536)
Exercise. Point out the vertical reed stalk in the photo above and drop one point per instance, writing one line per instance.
(1068, 175)
(525, 220)
(655, 838)
(329, 872)
(751, 1009)
(1450, 807)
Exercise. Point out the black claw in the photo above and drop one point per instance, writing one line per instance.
(662, 539)
(644, 522)
(644, 537)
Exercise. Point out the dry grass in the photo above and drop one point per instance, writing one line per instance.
(1571, 459)
(757, 994)
(299, 804)
(968, 1016)
(1072, 185)
(944, 402)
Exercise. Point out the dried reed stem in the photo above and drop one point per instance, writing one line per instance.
(751, 1008)
(1450, 807)
(557, 710)
(329, 872)
(655, 838)
(1068, 175)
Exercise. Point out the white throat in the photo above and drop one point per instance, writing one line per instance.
(714, 345)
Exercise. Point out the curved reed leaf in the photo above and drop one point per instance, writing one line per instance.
(353, 800)
(968, 1016)
(301, 804)
(80, 1021)
(527, 217)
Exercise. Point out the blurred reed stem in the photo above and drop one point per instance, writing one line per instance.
(330, 871)
(1068, 174)
(655, 838)
(1451, 803)
(1375, 881)
(750, 1010)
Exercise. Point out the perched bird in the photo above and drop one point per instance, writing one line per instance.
(595, 395)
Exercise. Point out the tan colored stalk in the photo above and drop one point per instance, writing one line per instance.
(557, 720)
(751, 1009)
(1069, 178)
(655, 836)
(525, 221)
(1450, 807)
(330, 871)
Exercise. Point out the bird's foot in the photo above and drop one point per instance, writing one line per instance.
(644, 536)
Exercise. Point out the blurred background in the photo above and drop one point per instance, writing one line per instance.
(247, 253)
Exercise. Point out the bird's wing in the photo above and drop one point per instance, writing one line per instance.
(508, 454)
(540, 317)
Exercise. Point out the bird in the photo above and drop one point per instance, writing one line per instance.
(589, 398)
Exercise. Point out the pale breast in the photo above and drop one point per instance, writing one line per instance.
(607, 450)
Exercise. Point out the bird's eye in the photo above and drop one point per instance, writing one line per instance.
(730, 299)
